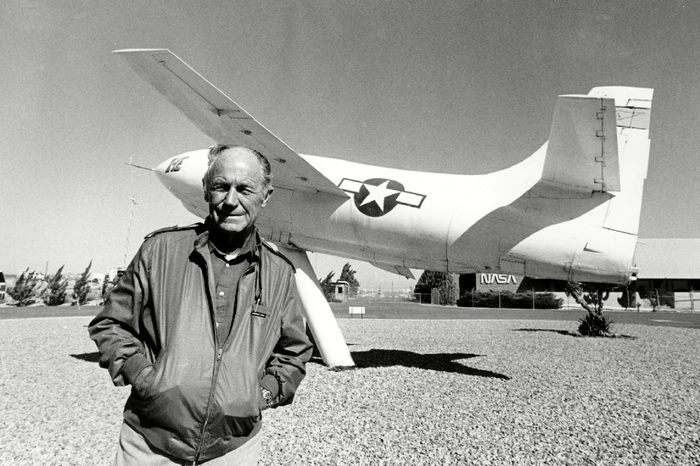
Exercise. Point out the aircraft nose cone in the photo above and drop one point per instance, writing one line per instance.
(187, 168)
(171, 165)
(161, 167)
(182, 176)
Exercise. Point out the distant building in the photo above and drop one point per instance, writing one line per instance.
(669, 264)
(669, 275)
(340, 291)
(489, 282)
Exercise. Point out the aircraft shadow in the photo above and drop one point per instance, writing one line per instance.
(532, 212)
(443, 362)
(89, 357)
(550, 330)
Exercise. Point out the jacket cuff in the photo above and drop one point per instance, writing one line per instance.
(269, 382)
(133, 366)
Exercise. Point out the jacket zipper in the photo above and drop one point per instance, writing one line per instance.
(217, 364)
(215, 375)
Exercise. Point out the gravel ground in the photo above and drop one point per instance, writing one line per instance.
(425, 392)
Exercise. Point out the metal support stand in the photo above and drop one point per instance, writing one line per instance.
(324, 327)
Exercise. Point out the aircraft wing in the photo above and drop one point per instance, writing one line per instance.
(397, 269)
(222, 119)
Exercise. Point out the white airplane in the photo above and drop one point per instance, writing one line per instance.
(570, 211)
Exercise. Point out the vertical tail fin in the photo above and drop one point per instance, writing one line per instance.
(590, 192)
(592, 134)
(582, 148)
(633, 112)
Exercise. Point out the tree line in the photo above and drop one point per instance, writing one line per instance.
(52, 290)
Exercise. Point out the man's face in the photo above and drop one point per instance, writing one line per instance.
(236, 190)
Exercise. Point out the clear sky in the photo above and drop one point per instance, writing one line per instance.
(452, 86)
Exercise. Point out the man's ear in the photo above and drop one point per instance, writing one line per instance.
(268, 195)
(206, 191)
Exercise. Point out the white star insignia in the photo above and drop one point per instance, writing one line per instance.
(378, 194)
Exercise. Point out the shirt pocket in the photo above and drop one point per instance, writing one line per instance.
(264, 330)
(264, 323)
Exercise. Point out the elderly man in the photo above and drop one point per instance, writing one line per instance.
(205, 327)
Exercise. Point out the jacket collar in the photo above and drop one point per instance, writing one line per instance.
(201, 254)
(251, 245)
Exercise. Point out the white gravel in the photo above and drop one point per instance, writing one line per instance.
(426, 392)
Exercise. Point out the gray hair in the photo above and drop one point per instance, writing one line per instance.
(216, 150)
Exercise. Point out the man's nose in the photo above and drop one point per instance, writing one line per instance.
(231, 197)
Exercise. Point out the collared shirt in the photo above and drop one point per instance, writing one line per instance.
(226, 271)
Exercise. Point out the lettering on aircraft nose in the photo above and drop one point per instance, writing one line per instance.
(378, 196)
(175, 164)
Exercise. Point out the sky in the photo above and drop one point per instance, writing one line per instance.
(451, 86)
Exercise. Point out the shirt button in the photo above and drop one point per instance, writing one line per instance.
(221, 293)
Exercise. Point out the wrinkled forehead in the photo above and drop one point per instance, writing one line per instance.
(237, 163)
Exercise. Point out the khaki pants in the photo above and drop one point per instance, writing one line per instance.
(134, 451)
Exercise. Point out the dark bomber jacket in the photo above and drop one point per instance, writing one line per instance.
(205, 399)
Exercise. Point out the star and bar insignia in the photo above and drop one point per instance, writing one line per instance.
(378, 196)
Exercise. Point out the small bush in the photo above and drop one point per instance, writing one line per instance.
(348, 275)
(594, 325)
(81, 288)
(327, 286)
(25, 290)
(55, 292)
(509, 300)
(628, 298)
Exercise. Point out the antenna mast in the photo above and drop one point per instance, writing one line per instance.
(132, 209)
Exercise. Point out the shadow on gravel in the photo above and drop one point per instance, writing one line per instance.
(89, 357)
(444, 362)
(560, 332)
(573, 334)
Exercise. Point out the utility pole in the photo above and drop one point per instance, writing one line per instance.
(132, 199)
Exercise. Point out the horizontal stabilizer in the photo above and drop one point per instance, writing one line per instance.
(582, 148)
(633, 104)
(222, 119)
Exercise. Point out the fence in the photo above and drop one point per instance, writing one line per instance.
(377, 297)
(653, 301)
(680, 301)
(686, 301)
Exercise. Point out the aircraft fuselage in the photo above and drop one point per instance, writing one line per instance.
(402, 219)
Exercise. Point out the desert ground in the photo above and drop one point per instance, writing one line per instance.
(441, 391)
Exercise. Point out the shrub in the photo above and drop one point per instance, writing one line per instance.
(660, 298)
(442, 281)
(348, 275)
(509, 300)
(25, 289)
(594, 325)
(55, 292)
(81, 288)
(107, 286)
(628, 297)
(327, 286)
